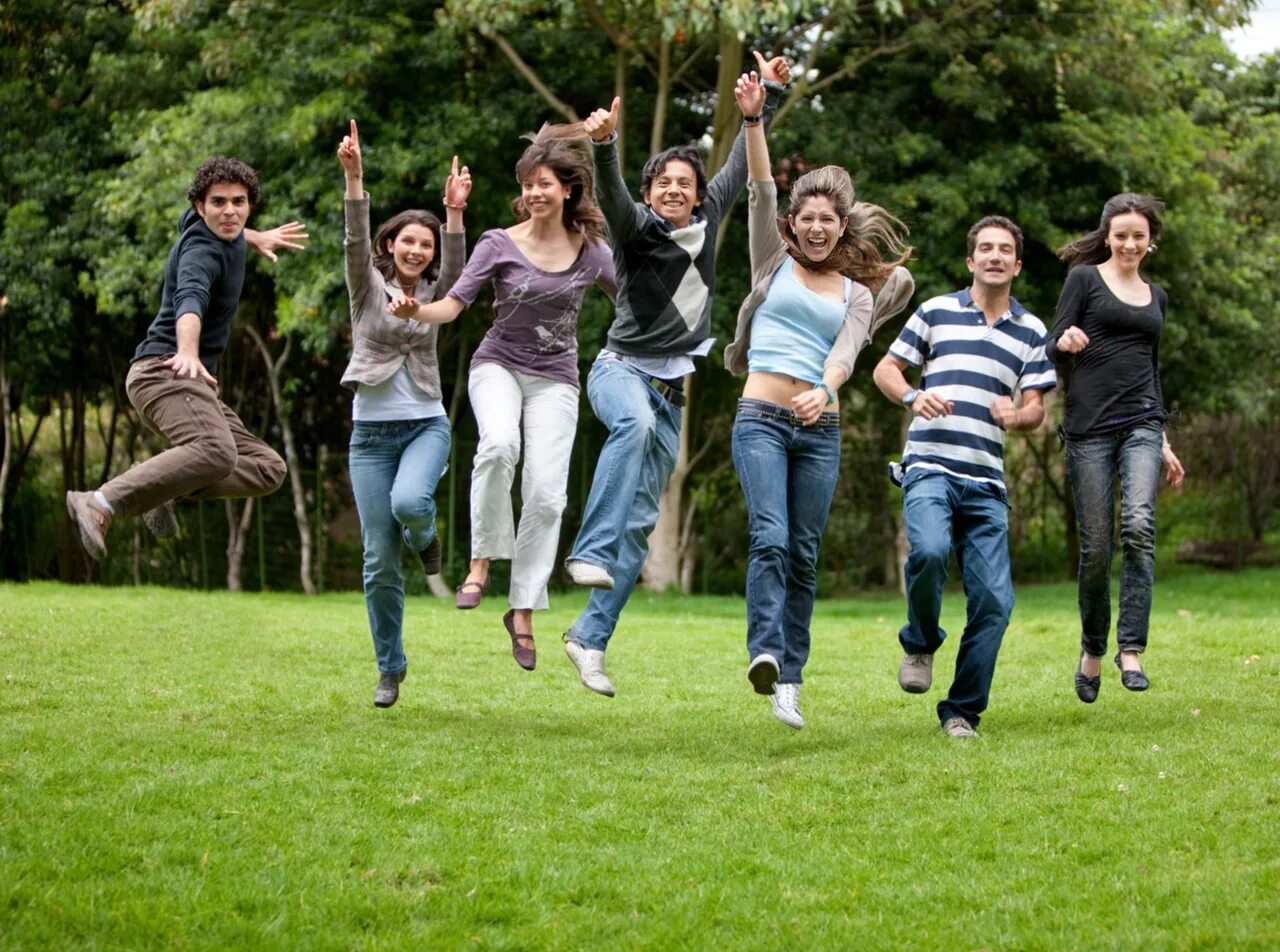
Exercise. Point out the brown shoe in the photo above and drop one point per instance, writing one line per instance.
(432, 556)
(526, 657)
(468, 594)
(92, 521)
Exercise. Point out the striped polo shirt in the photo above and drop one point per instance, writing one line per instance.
(969, 363)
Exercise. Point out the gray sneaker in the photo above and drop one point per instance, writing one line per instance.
(915, 674)
(958, 727)
(590, 665)
(786, 705)
(162, 520)
(388, 690)
(91, 522)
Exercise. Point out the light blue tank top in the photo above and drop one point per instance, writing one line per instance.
(794, 328)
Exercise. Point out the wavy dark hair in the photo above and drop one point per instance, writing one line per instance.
(1092, 248)
(873, 243)
(657, 164)
(385, 261)
(221, 169)
(563, 150)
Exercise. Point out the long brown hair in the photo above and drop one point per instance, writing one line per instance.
(1093, 249)
(873, 243)
(563, 150)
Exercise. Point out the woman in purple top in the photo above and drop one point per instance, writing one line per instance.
(1106, 343)
(525, 371)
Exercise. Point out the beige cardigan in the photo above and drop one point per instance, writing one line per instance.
(863, 316)
(380, 343)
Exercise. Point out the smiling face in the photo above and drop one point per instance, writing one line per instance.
(544, 194)
(817, 227)
(994, 262)
(413, 249)
(1129, 239)
(225, 209)
(673, 193)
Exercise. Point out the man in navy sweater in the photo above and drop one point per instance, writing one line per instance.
(664, 258)
(171, 382)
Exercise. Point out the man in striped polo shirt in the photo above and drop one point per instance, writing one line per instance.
(976, 348)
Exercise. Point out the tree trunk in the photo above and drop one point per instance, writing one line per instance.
(6, 452)
(238, 527)
(274, 368)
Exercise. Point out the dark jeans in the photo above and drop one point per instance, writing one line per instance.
(1092, 466)
(788, 474)
(944, 512)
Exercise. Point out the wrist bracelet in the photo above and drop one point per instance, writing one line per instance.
(831, 394)
(455, 207)
(753, 120)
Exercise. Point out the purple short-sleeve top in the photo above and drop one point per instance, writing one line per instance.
(535, 327)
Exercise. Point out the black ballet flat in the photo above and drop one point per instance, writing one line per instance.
(1087, 688)
(1132, 680)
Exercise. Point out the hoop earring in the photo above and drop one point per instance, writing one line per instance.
(1153, 248)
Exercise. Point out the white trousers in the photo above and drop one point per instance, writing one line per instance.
(503, 400)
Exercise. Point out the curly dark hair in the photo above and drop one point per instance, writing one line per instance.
(221, 169)
(562, 149)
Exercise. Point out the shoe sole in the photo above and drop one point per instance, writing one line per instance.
(90, 545)
(763, 675)
(915, 688)
(604, 584)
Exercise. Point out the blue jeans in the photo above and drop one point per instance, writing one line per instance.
(788, 473)
(634, 465)
(1092, 466)
(394, 470)
(943, 513)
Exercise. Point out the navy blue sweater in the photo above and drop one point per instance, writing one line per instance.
(203, 275)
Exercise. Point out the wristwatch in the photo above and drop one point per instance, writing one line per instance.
(909, 396)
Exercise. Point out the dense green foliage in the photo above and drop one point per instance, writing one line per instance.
(942, 111)
(206, 771)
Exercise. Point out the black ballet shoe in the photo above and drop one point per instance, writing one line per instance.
(1087, 688)
(1133, 680)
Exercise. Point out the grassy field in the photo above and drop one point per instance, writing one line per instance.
(207, 771)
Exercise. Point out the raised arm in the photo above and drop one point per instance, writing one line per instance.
(356, 245)
(728, 182)
(457, 189)
(620, 211)
(352, 165)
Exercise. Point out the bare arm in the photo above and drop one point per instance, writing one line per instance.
(186, 362)
(1026, 417)
(889, 378)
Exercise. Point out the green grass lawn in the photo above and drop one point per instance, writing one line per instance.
(207, 771)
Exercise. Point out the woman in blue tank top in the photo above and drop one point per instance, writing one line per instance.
(810, 311)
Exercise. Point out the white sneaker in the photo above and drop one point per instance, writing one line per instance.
(592, 576)
(786, 705)
(763, 673)
(590, 665)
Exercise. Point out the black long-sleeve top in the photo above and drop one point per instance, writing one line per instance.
(1114, 382)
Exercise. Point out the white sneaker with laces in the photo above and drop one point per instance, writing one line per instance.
(592, 576)
(786, 705)
(590, 665)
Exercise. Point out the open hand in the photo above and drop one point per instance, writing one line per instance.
(1173, 471)
(292, 234)
(601, 123)
(188, 365)
(349, 153)
(402, 306)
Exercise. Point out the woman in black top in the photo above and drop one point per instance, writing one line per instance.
(1106, 343)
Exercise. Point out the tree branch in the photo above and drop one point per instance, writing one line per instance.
(532, 77)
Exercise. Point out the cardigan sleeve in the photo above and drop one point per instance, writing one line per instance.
(357, 253)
